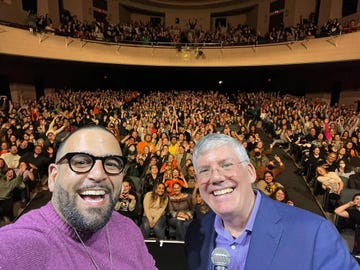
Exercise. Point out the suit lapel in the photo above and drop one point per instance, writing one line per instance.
(209, 246)
(265, 236)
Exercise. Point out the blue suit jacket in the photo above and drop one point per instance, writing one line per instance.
(283, 237)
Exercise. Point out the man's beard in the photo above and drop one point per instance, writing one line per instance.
(95, 219)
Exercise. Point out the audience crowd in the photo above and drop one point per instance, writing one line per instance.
(145, 33)
(157, 132)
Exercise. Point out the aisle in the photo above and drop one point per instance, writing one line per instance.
(299, 191)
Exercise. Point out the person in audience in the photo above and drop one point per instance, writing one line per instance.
(284, 136)
(268, 183)
(330, 163)
(200, 207)
(351, 210)
(128, 202)
(155, 206)
(173, 146)
(271, 166)
(281, 195)
(153, 160)
(311, 162)
(354, 179)
(54, 128)
(344, 170)
(146, 142)
(52, 141)
(176, 177)
(181, 213)
(28, 179)
(85, 182)
(242, 219)
(329, 180)
(351, 151)
(332, 183)
(39, 162)
(168, 166)
(151, 179)
(3, 166)
(11, 158)
(190, 178)
(8, 183)
(181, 156)
(4, 148)
(164, 155)
(258, 158)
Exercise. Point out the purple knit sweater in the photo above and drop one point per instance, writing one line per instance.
(42, 240)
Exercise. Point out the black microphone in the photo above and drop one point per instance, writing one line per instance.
(220, 257)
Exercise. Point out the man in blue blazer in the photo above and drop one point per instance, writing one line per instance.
(257, 232)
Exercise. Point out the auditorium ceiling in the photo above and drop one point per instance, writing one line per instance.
(189, 3)
(213, 5)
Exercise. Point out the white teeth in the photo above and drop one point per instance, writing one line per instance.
(223, 191)
(93, 193)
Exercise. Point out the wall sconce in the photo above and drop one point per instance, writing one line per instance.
(185, 54)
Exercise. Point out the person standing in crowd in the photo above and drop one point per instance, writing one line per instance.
(247, 223)
(78, 228)
(351, 210)
(155, 205)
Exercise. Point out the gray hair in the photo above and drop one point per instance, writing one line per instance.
(215, 140)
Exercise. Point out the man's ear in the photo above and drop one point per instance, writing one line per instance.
(53, 172)
(252, 172)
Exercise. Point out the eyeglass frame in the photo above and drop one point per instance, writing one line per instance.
(70, 155)
(220, 169)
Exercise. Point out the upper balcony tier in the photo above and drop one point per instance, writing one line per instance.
(20, 42)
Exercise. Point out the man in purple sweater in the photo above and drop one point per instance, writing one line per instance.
(78, 229)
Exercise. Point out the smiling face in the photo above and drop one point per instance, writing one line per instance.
(226, 185)
(357, 201)
(125, 187)
(280, 195)
(160, 189)
(176, 188)
(10, 174)
(85, 200)
(268, 178)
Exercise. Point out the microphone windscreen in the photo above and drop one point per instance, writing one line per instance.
(220, 257)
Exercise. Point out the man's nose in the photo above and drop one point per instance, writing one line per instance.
(97, 172)
(216, 176)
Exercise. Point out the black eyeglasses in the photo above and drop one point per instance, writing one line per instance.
(83, 162)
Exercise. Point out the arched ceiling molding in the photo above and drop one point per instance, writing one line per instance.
(212, 6)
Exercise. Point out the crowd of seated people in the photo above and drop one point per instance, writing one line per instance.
(157, 132)
(145, 33)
